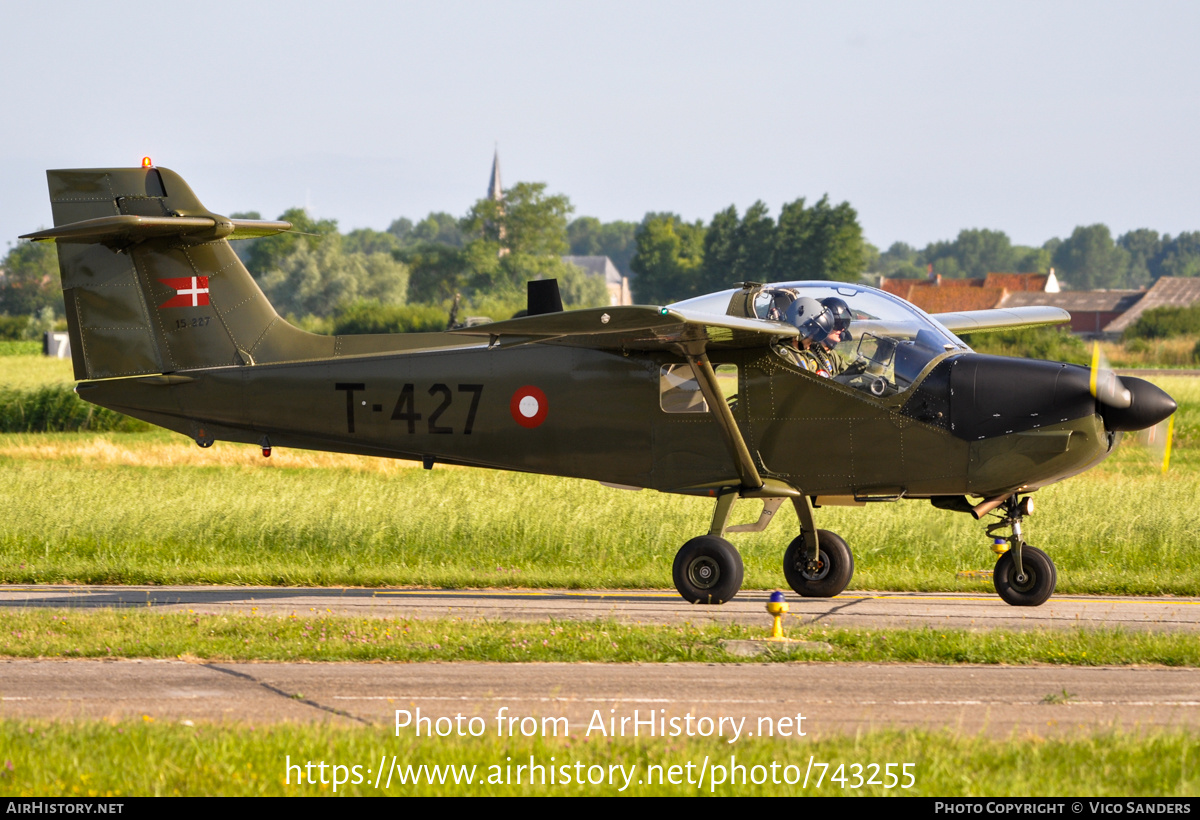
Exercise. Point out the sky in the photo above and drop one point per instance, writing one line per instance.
(927, 117)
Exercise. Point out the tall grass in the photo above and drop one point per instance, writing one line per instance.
(152, 756)
(57, 408)
(125, 515)
(37, 395)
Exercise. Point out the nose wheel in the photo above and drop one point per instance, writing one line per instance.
(1024, 575)
(1032, 585)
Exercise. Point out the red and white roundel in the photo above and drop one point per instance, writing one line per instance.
(528, 406)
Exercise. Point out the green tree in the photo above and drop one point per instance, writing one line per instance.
(755, 245)
(267, 253)
(526, 221)
(1089, 259)
(1181, 255)
(317, 280)
(31, 280)
(438, 227)
(669, 256)
(402, 229)
(519, 238)
(1145, 249)
(821, 242)
(1032, 260)
(899, 261)
(975, 253)
(437, 272)
(589, 236)
(365, 240)
(721, 251)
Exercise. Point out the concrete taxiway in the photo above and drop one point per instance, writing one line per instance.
(831, 698)
(851, 609)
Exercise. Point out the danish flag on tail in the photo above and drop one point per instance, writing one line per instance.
(190, 291)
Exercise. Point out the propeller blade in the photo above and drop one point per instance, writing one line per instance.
(1167, 444)
(1106, 387)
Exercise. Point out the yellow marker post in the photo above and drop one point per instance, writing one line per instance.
(777, 607)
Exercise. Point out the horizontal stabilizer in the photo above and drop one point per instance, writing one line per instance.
(980, 321)
(634, 328)
(127, 228)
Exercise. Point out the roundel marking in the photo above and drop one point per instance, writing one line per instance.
(528, 406)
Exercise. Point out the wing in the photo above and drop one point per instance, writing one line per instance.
(634, 327)
(980, 321)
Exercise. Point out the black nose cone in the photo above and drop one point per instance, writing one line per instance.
(1150, 405)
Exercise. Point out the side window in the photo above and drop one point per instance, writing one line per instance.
(679, 392)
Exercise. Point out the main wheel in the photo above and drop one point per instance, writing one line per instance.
(708, 570)
(832, 572)
(1038, 584)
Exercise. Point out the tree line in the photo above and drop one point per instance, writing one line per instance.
(1089, 259)
(484, 258)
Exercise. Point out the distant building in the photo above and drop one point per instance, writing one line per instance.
(618, 285)
(941, 295)
(1093, 312)
(1167, 291)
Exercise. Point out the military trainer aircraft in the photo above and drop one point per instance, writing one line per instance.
(166, 325)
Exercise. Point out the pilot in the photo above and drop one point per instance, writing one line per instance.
(841, 319)
(818, 333)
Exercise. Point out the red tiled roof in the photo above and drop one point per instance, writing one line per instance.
(1016, 281)
(950, 300)
(957, 283)
(898, 287)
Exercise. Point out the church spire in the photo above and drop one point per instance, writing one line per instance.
(494, 190)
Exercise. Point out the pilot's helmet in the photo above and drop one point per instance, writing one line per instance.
(841, 314)
(811, 318)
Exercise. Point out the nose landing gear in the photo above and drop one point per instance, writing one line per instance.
(1024, 575)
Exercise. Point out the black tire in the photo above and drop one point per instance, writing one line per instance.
(834, 574)
(1040, 578)
(708, 570)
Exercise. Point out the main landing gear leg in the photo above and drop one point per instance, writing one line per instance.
(1024, 575)
(818, 563)
(708, 569)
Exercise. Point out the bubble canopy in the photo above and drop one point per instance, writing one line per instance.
(889, 340)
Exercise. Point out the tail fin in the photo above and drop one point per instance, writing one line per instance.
(152, 286)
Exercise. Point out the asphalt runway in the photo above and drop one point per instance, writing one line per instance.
(851, 609)
(835, 698)
(831, 698)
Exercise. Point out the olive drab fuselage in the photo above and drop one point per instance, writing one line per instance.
(603, 420)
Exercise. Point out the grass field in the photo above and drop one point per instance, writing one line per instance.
(24, 371)
(153, 508)
(316, 637)
(102, 759)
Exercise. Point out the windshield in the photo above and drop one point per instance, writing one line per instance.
(881, 349)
